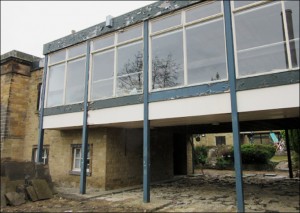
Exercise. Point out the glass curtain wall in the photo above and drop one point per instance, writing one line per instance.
(267, 36)
(66, 74)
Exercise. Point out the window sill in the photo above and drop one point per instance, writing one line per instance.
(77, 173)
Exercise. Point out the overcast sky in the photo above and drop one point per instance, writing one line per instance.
(27, 25)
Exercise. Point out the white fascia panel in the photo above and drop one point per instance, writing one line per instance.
(286, 96)
(196, 106)
(63, 120)
(120, 114)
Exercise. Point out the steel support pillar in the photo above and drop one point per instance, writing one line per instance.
(84, 146)
(234, 112)
(41, 114)
(288, 150)
(146, 130)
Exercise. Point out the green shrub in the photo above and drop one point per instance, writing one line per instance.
(256, 153)
(222, 163)
(200, 154)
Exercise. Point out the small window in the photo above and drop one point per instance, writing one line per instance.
(166, 23)
(203, 11)
(220, 140)
(45, 155)
(77, 156)
(129, 34)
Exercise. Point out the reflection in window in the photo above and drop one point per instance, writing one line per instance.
(167, 60)
(206, 59)
(292, 18)
(102, 75)
(165, 23)
(130, 69)
(260, 41)
(203, 11)
(130, 34)
(242, 3)
(56, 80)
(75, 81)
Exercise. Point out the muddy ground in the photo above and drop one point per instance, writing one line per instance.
(212, 192)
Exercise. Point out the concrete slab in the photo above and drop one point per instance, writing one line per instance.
(31, 193)
(14, 198)
(42, 189)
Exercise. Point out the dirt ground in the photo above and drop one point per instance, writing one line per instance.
(212, 192)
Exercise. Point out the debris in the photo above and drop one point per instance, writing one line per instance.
(14, 198)
(31, 193)
(42, 189)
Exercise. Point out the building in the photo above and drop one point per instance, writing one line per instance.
(149, 79)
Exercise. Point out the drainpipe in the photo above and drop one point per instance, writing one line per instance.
(146, 130)
(234, 111)
(84, 146)
(41, 114)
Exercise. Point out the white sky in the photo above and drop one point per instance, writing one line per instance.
(27, 25)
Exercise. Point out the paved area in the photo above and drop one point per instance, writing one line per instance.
(212, 192)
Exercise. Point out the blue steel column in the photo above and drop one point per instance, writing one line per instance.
(84, 146)
(288, 149)
(146, 145)
(41, 114)
(234, 112)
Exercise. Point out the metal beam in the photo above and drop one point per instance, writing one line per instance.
(288, 150)
(234, 112)
(41, 114)
(84, 146)
(146, 131)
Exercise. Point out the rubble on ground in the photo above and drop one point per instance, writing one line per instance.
(24, 181)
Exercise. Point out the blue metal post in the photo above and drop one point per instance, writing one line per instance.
(84, 146)
(146, 145)
(288, 149)
(234, 112)
(41, 114)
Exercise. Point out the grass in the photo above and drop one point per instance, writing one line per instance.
(278, 158)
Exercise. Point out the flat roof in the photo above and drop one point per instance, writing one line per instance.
(136, 16)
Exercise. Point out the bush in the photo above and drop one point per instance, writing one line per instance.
(222, 163)
(256, 153)
(200, 155)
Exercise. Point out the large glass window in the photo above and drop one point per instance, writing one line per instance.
(75, 81)
(117, 64)
(260, 40)
(167, 60)
(206, 60)
(56, 79)
(189, 47)
(102, 75)
(66, 74)
(130, 69)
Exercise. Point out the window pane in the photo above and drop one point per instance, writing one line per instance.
(295, 52)
(102, 89)
(75, 81)
(242, 3)
(130, 34)
(130, 84)
(167, 60)
(167, 22)
(203, 11)
(130, 59)
(103, 42)
(256, 32)
(77, 164)
(58, 56)
(77, 50)
(56, 85)
(77, 153)
(206, 59)
(262, 60)
(259, 26)
(103, 65)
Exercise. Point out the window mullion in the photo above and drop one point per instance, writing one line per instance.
(115, 67)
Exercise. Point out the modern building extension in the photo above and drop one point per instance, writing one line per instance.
(120, 99)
